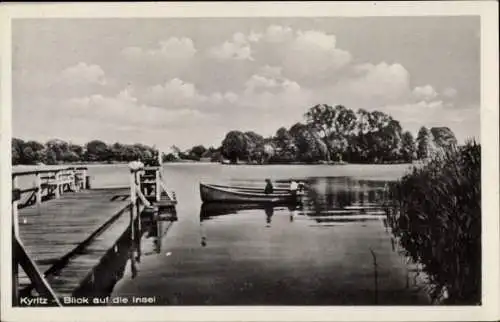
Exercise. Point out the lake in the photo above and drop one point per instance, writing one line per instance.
(320, 253)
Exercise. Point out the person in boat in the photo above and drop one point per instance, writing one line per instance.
(301, 186)
(269, 187)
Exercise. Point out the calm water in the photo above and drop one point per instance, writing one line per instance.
(320, 253)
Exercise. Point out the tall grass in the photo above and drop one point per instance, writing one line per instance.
(437, 219)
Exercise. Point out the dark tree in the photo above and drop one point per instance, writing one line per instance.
(408, 148)
(97, 150)
(423, 143)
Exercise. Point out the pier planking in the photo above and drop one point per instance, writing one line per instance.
(63, 223)
(58, 227)
(81, 267)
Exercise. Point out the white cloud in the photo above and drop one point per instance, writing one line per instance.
(178, 94)
(270, 71)
(257, 81)
(218, 98)
(146, 66)
(277, 33)
(126, 110)
(450, 92)
(270, 79)
(317, 39)
(171, 49)
(76, 80)
(238, 48)
(313, 53)
(274, 94)
(463, 122)
(174, 93)
(83, 73)
(426, 92)
(301, 55)
(378, 84)
(254, 37)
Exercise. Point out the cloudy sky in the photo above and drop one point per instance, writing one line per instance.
(187, 81)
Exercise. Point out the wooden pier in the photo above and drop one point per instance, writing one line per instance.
(67, 238)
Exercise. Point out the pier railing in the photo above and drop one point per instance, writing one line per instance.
(47, 183)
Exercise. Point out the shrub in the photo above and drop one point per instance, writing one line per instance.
(437, 219)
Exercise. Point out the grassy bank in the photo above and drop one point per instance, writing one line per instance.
(437, 220)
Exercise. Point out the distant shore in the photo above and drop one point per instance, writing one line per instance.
(69, 164)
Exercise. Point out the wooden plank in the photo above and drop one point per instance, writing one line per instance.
(80, 267)
(58, 226)
(25, 173)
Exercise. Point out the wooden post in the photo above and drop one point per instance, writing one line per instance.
(157, 185)
(38, 189)
(15, 213)
(133, 202)
(15, 232)
(158, 236)
(56, 179)
(84, 179)
(73, 180)
(158, 176)
(137, 203)
(63, 176)
(15, 279)
(364, 193)
(138, 232)
(62, 179)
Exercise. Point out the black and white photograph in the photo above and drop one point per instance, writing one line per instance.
(263, 161)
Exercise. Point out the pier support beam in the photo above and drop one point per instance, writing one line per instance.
(58, 187)
(38, 189)
(84, 179)
(15, 233)
(15, 211)
(158, 177)
(157, 185)
(133, 202)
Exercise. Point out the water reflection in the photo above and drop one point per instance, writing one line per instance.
(215, 209)
(327, 200)
(269, 209)
(153, 231)
(330, 249)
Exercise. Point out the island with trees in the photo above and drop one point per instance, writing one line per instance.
(329, 134)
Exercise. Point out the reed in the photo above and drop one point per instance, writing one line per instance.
(436, 218)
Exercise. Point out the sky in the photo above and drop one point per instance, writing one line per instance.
(188, 81)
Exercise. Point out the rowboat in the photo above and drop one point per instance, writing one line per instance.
(210, 193)
(250, 189)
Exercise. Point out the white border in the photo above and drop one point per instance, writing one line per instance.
(488, 10)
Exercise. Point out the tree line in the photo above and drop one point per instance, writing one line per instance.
(57, 151)
(338, 134)
(328, 134)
